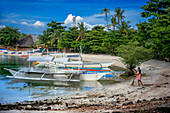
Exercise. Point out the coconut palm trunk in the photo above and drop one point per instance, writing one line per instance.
(107, 21)
(105, 10)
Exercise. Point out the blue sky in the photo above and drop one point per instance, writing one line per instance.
(32, 16)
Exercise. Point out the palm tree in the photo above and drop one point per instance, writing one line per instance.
(82, 29)
(105, 10)
(119, 14)
(113, 21)
(124, 27)
(55, 37)
(44, 39)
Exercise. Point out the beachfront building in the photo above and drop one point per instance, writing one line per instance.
(27, 42)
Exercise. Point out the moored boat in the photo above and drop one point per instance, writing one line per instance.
(38, 75)
(51, 73)
(91, 76)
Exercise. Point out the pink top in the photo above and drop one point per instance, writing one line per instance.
(138, 75)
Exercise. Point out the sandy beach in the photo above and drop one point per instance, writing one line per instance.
(119, 97)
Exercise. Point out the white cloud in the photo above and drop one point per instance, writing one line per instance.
(39, 24)
(36, 24)
(2, 26)
(79, 19)
(25, 23)
(89, 27)
(69, 22)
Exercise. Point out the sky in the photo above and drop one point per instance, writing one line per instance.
(32, 16)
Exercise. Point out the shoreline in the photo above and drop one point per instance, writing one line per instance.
(117, 97)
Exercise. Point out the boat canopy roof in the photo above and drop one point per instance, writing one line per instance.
(40, 58)
(73, 56)
(61, 60)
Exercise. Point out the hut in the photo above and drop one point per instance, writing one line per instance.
(26, 42)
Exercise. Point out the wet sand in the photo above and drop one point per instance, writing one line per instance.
(119, 97)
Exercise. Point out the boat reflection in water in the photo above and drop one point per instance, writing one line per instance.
(49, 89)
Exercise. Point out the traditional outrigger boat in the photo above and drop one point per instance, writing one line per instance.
(55, 76)
(52, 73)
(67, 62)
(33, 73)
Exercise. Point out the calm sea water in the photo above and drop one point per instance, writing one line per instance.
(13, 90)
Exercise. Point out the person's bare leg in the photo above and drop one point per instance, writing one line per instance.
(138, 83)
(141, 82)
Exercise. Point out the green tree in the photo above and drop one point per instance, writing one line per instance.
(119, 14)
(155, 32)
(133, 55)
(53, 34)
(82, 29)
(54, 25)
(55, 37)
(69, 38)
(9, 36)
(112, 40)
(105, 10)
(113, 21)
(23, 35)
(96, 37)
(124, 27)
(44, 39)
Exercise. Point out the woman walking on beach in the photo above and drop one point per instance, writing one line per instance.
(138, 76)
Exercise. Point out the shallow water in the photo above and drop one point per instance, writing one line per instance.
(13, 90)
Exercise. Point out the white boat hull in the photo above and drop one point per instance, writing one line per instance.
(41, 76)
(91, 76)
(54, 76)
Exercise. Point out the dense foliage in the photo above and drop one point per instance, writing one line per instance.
(9, 36)
(96, 40)
(156, 31)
